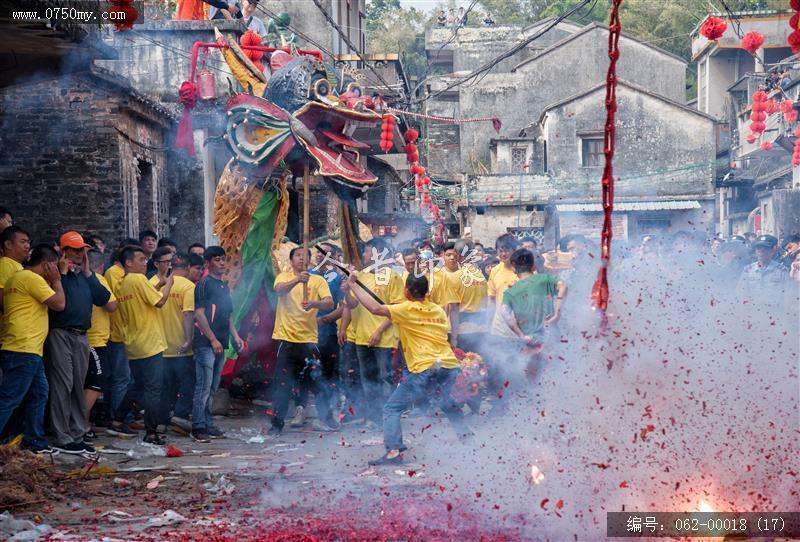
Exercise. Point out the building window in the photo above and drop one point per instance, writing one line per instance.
(519, 160)
(592, 151)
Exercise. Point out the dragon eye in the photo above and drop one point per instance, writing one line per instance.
(355, 88)
(321, 88)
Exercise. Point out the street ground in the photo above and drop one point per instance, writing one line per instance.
(303, 485)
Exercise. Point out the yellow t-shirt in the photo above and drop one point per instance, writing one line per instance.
(181, 299)
(423, 328)
(292, 323)
(443, 286)
(364, 322)
(25, 314)
(100, 331)
(500, 279)
(471, 289)
(137, 306)
(114, 276)
(7, 268)
(350, 333)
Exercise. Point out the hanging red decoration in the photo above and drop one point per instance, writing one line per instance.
(795, 4)
(794, 21)
(252, 39)
(786, 106)
(758, 106)
(757, 127)
(766, 146)
(794, 41)
(188, 96)
(791, 116)
(417, 170)
(760, 96)
(426, 181)
(770, 106)
(713, 28)
(758, 116)
(752, 42)
(751, 139)
(411, 135)
(387, 133)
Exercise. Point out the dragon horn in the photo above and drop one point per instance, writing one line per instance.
(241, 66)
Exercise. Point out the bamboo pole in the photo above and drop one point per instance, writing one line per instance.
(306, 225)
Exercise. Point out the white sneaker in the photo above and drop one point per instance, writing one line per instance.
(299, 417)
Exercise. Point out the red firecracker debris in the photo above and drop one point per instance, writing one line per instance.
(174, 451)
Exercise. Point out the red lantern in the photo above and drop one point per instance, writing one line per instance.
(758, 116)
(760, 96)
(426, 180)
(758, 106)
(786, 105)
(767, 146)
(751, 139)
(791, 116)
(794, 21)
(757, 127)
(752, 42)
(385, 145)
(206, 85)
(795, 4)
(713, 28)
(770, 106)
(411, 135)
(417, 169)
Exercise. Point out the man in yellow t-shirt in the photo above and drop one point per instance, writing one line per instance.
(296, 332)
(16, 244)
(118, 376)
(501, 279)
(375, 337)
(431, 365)
(28, 295)
(177, 323)
(139, 304)
(98, 334)
(468, 312)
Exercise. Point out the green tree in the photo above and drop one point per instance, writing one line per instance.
(399, 30)
(377, 10)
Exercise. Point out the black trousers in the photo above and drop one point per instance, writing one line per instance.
(145, 389)
(298, 370)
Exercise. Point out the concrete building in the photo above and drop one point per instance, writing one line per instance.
(541, 175)
(757, 188)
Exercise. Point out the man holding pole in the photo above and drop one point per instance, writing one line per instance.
(297, 335)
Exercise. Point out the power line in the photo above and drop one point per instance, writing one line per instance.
(349, 43)
(511, 52)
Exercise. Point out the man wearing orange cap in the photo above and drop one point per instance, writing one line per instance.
(66, 350)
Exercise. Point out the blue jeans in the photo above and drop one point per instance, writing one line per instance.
(375, 367)
(435, 384)
(23, 375)
(178, 388)
(118, 376)
(207, 374)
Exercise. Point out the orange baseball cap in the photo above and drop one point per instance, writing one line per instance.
(72, 239)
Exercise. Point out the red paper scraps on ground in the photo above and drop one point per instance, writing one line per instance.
(543, 504)
(174, 451)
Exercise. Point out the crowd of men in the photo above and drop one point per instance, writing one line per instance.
(146, 328)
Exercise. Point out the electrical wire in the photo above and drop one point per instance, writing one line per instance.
(509, 53)
(349, 43)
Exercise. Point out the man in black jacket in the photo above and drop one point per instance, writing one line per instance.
(66, 350)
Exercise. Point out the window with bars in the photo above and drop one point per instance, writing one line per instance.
(519, 160)
(591, 151)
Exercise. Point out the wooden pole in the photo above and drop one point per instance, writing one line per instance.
(306, 224)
